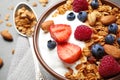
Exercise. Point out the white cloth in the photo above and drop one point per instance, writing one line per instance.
(22, 65)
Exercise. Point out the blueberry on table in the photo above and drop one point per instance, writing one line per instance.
(118, 41)
(109, 39)
(94, 4)
(70, 16)
(113, 28)
(82, 16)
(51, 44)
(97, 51)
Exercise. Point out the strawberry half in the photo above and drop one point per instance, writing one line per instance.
(60, 32)
(68, 52)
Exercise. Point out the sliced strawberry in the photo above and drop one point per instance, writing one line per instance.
(60, 32)
(68, 52)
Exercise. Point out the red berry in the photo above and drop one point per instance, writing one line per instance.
(83, 33)
(80, 5)
(69, 52)
(60, 32)
(109, 67)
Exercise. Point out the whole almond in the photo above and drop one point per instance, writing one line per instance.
(92, 18)
(6, 35)
(1, 62)
(112, 50)
(107, 20)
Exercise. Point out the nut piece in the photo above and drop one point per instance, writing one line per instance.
(7, 16)
(107, 20)
(8, 24)
(91, 18)
(45, 25)
(1, 21)
(112, 50)
(1, 62)
(6, 35)
(43, 2)
(34, 4)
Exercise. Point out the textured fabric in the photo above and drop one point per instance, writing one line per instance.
(22, 65)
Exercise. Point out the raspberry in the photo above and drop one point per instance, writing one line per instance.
(80, 5)
(83, 33)
(109, 67)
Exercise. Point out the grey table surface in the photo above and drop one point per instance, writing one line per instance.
(7, 47)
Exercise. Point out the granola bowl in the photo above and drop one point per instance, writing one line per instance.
(50, 59)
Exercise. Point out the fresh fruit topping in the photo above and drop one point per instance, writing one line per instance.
(109, 39)
(82, 16)
(108, 67)
(83, 32)
(51, 44)
(60, 32)
(97, 51)
(80, 5)
(118, 41)
(71, 16)
(69, 52)
(94, 4)
(113, 28)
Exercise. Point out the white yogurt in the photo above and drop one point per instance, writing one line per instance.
(50, 56)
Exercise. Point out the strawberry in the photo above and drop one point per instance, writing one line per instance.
(68, 52)
(60, 32)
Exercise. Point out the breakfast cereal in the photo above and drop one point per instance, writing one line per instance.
(98, 20)
(25, 21)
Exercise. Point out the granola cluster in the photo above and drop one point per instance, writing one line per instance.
(98, 20)
(63, 8)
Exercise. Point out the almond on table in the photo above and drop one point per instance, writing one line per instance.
(7, 35)
(1, 62)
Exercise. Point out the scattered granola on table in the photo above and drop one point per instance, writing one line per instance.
(43, 2)
(34, 4)
(7, 16)
(11, 7)
(8, 24)
(1, 21)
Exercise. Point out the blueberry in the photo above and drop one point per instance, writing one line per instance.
(118, 41)
(113, 28)
(82, 16)
(51, 44)
(94, 4)
(97, 51)
(109, 39)
(71, 16)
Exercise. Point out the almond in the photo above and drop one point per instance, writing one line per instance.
(92, 18)
(45, 25)
(112, 50)
(1, 62)
(6, 35)
(107, 20)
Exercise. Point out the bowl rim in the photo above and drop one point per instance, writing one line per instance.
(37, 30)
